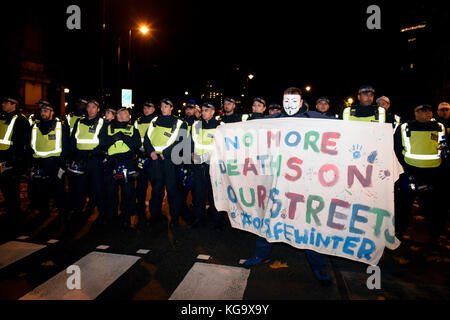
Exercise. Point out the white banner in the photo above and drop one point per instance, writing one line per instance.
(324, 185)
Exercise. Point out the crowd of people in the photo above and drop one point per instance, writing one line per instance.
(83, 159)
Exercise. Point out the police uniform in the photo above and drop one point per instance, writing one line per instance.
(80, 112)
(50, 146)
(14, 141)
(162, 135)
(121, 141)
(232, 118)
(417, 149)
(85, 164)
(202, 134)
(141, 124)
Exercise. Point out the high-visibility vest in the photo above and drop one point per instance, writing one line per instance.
(142, 128)
(71, 119)
(86, 139)
(119, 146)
(46, 145)
(380, 117)
(6, 131)
(203, 139)
(162, 137)
(421, 148)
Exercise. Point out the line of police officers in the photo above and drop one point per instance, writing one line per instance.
(99, 155)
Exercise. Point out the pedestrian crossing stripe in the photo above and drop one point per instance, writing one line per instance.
(212, 282)
(13, 251)
(97, 271)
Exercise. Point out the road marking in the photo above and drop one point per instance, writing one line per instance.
(102, 247)
(97, 270)
(203, 257)
(143, 251)
(13, 251)
(51, 241)
(212, 282)
(22, 238)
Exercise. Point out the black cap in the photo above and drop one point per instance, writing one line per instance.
(260, 100)
(208, 104)
(43, 104)
(366, 88)
(91, 101)
(230, 99)
(423, 107)
(148, 103)
(12, 100)
(111, 108)
(190, 104)
(123, 108)
(323, 99)
(167, 101)
(82, 101)
(275, 106)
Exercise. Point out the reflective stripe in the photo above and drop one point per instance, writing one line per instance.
(408, 150)
(170, 141)
(244, 117)
(7, 138)
(346, 114)
(195, 135)
(57, 149)
(381, 115)
(94, 139)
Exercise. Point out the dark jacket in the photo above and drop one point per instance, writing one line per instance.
(133, 142)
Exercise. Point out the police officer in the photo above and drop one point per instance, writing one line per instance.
(110, 114)
(143, 161)
(229, 106)
(185, 170)
(162, 135)
(50, 146)
(121, 140)
(274, 108)
(416, 145)
(14, 142)
(79, 112)
(258, 108)
(443, 112)
(86, 158)
(365, 110)
(202, 134)
(323, 106)
(385, 103)
(293, 106)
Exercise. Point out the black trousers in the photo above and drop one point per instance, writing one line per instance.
(164, 176)
(10, 188)
(127, 195)
(52, 187)
(433, 203)
(141, 192)
(90, 184)
(202, 191)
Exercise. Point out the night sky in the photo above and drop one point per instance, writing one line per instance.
(284, 43)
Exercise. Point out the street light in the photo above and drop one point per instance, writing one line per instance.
(308, 88)
(144, 29)
(251, 76)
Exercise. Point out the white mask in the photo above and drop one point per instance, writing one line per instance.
(291, 103)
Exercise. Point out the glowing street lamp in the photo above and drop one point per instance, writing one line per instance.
(144, 29)
(251, 76)
(308, 88)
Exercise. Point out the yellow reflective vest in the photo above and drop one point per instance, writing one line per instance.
(119, 146)
(47, 145)
(87, 136)
(421, 148)
(162, 137)
(6, 132)
(381, 118)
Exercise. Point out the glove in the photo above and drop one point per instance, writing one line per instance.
(118, 136)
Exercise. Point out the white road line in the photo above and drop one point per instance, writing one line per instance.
(96, 271)
(203, 257)
(22, 237)
(212, 282)
(13, 251)
(102, 247)
(143, 251)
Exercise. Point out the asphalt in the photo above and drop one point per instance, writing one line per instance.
(414, 271)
